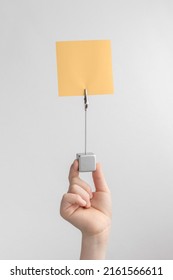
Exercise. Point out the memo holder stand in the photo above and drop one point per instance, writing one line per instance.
(84, 68)
(87, 161)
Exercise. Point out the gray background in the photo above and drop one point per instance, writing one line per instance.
(131, 132)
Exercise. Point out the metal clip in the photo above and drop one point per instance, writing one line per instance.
(86, 101)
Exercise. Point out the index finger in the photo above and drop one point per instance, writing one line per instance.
(74, 170)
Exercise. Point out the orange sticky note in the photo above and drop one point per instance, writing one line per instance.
(84, 65)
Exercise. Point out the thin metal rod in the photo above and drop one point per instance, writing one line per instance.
(85, 131)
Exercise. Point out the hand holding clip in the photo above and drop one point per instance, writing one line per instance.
(89, 211)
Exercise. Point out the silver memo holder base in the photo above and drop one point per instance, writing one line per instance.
(87, 161)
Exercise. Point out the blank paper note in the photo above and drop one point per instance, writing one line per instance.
(84, 65)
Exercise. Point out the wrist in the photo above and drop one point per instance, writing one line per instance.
(94, 246)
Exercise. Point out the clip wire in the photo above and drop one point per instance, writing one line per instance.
(86, 103)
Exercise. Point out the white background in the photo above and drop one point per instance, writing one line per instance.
(131, 132)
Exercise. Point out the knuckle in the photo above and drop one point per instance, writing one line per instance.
(73, 188)
(78, 198)
(88, 189)
(87, 195)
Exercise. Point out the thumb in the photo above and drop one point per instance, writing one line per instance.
(74, 170)
(99, 179)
